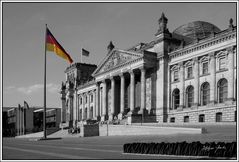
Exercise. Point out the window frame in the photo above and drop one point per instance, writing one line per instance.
(205, 94)
(189, 73)
(175, 79)
(190, 99)
(222, 90)
(205, 69)
(175, 101)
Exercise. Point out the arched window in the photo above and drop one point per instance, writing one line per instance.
(222, 90)
(176, 97)
(205, 93)
(189, 95)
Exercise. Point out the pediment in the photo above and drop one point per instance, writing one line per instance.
(115, 59)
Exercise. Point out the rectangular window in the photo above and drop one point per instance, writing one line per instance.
(205, 68)
(186, 119)
(175, 76)
(218, 117)
(222, 63)
(190, 72)
(201, 118)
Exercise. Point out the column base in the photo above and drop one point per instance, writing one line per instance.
(212, 103)
(129, 120)
(102, 118)
(120, 116)
(111, 117)
(229, 101)
(180, 108)
(143, 111)
(130, 113)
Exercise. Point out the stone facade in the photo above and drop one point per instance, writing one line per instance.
(188, 75)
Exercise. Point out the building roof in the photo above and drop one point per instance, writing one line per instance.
(195, 30)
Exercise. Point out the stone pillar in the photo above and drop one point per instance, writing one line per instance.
(231, 74)
(104, 102)
(97, 101)
(77, 107)
(111, 115)
(63, 109)
(196, 86)
(212, 78)
(143, 86)
(94, 105)
(122, 91)
(83, 107)
(181, 102)
(169, 90)
(132, 89)
(88, 105)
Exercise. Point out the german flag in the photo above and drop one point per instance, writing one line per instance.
(54, 46)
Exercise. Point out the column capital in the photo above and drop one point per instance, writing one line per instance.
(195, 60)
(142, 68)
(121, 75)
(112, 78)
(211, 55)
(180, 64)
(131, 72)
(230, 49)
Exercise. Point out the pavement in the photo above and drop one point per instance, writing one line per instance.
(106, 147)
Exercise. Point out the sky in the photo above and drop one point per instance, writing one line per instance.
(82, 25)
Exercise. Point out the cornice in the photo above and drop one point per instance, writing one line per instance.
(203, 44)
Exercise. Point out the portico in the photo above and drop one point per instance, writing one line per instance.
(118, 78)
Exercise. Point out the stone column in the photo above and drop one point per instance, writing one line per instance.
(181, 102)
(169, 89)
(63, 109)
(132, 89)
(213, 78)
(77, 107)
(88, 105)
(122, 91)
(143, 86)
(231, 74)
(97, 101)
(94, 105)
(83, 107)
(196, 86)
(104, 102)
(111, 115)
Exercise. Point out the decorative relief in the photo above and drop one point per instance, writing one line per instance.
(116, 59)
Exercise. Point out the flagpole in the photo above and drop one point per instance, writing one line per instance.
(20, 121)
(44, 111)
(23, 126)
(81, 57)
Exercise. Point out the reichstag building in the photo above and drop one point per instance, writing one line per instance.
(188, 75)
